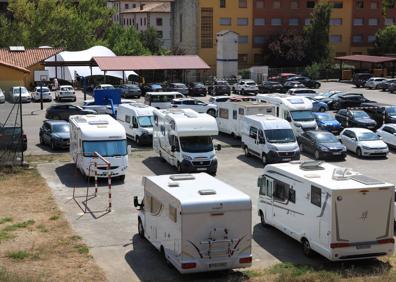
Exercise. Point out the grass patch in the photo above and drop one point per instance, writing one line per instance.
(5, 219)
(75, 238)
(54, 217)
(7, 276)
(4, 236)
(18, 255)
(252, 273)
(42, 228)
(19, 225)
(286, 272)
(82, 249)
(62, 157)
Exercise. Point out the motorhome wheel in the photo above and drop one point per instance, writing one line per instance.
(262, 219)
(264, 159)
(212, 112)
(306, 248)
(137, 140)
(246, 150)
(179, 168)
(122, 178)
(140, 228)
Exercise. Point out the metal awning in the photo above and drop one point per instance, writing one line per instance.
(366, 59)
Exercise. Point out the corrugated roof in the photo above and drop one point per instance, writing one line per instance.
(187, 62)
(27, 58)
(366, 59)
(150, 8)
(14, 67)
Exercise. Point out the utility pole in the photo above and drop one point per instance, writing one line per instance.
(20, 116)
(41, 95)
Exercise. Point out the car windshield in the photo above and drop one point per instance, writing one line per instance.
(391, 111)
(251, 83)
(280, 135)
(110, 148)
(180, 86)
(198, 85)
(145, 121)
(221, 83)
(302, 115)
(367, 136)
(107, 87)
(23, 90)
(196, 144)
(132, 86)
(324, 117)
(45, 89)
(325, 138)
(66, 88)
(57, 128)
(360, 114)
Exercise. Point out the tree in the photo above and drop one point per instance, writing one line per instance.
(151, 40)
(317, 34)
(385, 41)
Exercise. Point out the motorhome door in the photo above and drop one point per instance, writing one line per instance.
(266, 198)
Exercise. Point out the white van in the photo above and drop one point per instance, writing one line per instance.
(338, 213)
(230, 113)
(137, 119)
(269, 138)
(101, 134)
(161, 100)
(197, 222)
(296, 110)
(183, 138)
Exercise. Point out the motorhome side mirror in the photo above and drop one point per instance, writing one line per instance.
(173, 148)
(136, 201)
(135, 125)
(288, 119)
(218, 147)
(262, 140)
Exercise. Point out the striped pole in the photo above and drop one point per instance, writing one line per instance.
(109, 182)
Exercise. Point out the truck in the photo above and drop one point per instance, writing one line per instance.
(137, 119)
(230, 113)
(336, 212)
(91, 134)
(269, 138)
(183, 138)
(197, 222)
(296, 110)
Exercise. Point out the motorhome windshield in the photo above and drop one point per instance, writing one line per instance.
(108, 148)
(302, 115)
(145, 121)
(280, 135)
(196, 144)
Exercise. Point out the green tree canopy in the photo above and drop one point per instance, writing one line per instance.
(385, 41)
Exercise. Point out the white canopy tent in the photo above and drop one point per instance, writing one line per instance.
(68, 72)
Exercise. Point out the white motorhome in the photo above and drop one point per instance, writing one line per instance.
(137, 119)
(183, 138)
(161, 100)
(338, 213)
(296, 110)
(230, 113)
(101, 134)
(197, 222)
(269, 138)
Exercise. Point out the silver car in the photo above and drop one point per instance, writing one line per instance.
(20, 91)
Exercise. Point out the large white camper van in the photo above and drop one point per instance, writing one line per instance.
(296, 110)
(137, 119)
(269, 138)
(197, 222)
(183, 138)
(230, 113)
(338, 213)
(101, 134)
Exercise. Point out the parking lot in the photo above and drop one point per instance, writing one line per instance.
(113, 237)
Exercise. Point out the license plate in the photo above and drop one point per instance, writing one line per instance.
(217, 265)
(337, 153)
(201, 168)
(286, 159)
(359, 247)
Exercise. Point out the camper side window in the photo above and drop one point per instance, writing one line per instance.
(234, 114)
(155, 120)
(316, 196)
(223, 113)
(266, 188)
(127, 119)
(134, 122)
(172, 213)
(253, 132)
(241, 111)
(281, 191)
(155, 206)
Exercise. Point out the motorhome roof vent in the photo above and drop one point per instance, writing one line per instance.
(341, 173)
(311, 165)
(366, 180)
(173, 184)
(179, 177)
(206, 192)
(191, 114)
(312, 175)
(98, 122)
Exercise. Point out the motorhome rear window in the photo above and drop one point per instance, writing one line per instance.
(295, 101)
(316, 196)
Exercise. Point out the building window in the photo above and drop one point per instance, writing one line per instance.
(222, 3)
(259, 21)
(126, 6)
(242, 59)
(159, 21)
(206, 27)
(335, 38)
(338, 5)
(310, 4)
(225, 21)
(181, 27)
(258, 40)
(360, 4)
(145, 21)
(374, 5)
(242, 21)
(357, 22)
(276, 4)
(242, 3)
(373, 22)
(357, 39)
(259, 4)
(371, 38)
(294, 4)
(133, 5)
(388, 21)
(243, 39)
(316, 196)
(307, 22)
(276, 21)
(337, 21)
(293, 22)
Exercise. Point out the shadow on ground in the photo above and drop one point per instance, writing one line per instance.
(159, 166)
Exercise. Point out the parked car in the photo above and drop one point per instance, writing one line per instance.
(373, 82)
(177, 87)
(246, 86)
(318, 105)
(359, 79)
(219, 87)
(355, 118)
(55, 133)
(310, 83)
(346, 100)
(381, 112)
(12, 139)
(65, 92)
(197, 89)
(17, 91)
(103, 109)
(194, 104)
(392, 87)
(41, 91)
(302, 92)
(384, 85)
(291, 84)
(2, 96)
(270, 87)
(388, 134)
(130, 91)
(326, 121)
(63, 112)
(218, 99)
(321, 144)
(282, 77)
(363, 142)
(104, 86)
(151, 87)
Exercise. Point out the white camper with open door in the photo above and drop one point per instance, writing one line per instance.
(336, 212)
(197, 222)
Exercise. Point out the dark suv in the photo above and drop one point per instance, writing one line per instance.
(355, 118)
(359, 79)
(379, 112)
(219, 87)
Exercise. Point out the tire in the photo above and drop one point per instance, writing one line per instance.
(322, 109)
(163, 255)
(246, 151)
(336, 105)
(317, 85)
(179, 168)
(262, 220)
(137, 140)
(317, 155)
(359, 152)
(264, 159)
(140, 229)
(53, 147)
(306, 247)
(41, 141)
(122, 178)
(301, 148)
(211, 112)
